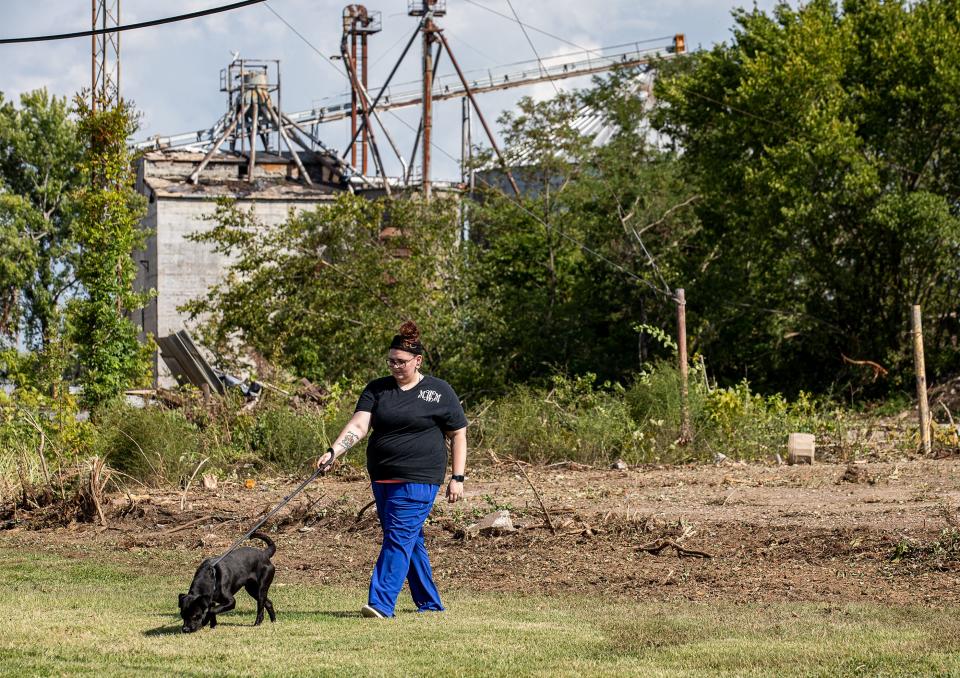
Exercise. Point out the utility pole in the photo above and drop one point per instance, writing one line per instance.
(363, 78)
(466, 166)
(105, 55)
(466, 144)
(429, 29)
(354, 97)
(427, 9)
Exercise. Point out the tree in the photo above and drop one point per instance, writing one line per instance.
(571, 267)
(519, 262)
(39, 154)
(323, 293)
(18, 261)
(824, 142)
(106, 228)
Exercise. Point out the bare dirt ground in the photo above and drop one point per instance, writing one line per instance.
(883, 532)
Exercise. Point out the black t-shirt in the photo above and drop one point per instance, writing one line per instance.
(408, 429)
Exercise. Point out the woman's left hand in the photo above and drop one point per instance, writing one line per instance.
(454, 491)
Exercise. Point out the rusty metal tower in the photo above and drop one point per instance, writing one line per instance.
(358, 23)
(256, 123)
(105, 55)
(427, 9)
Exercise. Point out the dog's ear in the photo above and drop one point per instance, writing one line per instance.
(183, 596)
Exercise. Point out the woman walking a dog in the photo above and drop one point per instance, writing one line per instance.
(412, 415)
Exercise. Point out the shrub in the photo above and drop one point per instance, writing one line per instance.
(653, 401)
(744, 424)
(152, 445)
(573, 421)
(159, 446)
(578, 420)
(287, 440)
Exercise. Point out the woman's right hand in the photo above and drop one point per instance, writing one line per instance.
(325, 460)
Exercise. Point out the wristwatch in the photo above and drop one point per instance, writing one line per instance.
(459, 479)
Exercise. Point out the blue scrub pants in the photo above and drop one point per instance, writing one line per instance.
(402, 509)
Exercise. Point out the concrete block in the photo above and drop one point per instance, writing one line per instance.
(496, 523)
(800, 448)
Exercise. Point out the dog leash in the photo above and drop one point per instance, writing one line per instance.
(286, 500)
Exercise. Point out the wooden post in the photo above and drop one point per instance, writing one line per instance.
(684, 373)
(921, 372)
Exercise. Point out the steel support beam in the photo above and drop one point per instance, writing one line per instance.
(483, 121)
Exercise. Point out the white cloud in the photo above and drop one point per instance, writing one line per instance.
(172, 72)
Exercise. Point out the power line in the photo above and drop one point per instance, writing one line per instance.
(301, 36)
(650, 259)
(530, 42)
(460, 41)
(551, 35)
(388, 51)
(130, 27)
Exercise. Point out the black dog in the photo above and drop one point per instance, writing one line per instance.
(213, 587)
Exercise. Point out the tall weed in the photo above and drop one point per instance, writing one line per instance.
(287, 440)
(579, 420)
(575, 420)
(152, 445)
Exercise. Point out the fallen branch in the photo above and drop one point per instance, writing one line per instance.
(878, 370)
(364, 510)
(275, 389)
(91, 493)
(475, 418)
(312, 502)
(949, 416)
(655, 547)
(43, 443)
(543, 507)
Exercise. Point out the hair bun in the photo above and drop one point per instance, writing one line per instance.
(410, 333)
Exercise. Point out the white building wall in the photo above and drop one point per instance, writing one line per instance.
(181, 269)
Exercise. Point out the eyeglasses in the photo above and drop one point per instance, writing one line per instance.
(398, 364)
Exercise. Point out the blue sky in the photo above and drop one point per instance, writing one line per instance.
(171, 72)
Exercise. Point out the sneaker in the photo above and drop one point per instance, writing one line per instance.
(368, 611)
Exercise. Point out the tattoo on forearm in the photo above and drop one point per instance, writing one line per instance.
(349, 440)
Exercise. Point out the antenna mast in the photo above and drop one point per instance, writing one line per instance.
(105, 55)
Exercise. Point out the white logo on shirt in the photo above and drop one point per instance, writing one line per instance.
(430, 396)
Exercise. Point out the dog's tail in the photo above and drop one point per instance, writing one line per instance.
(271, 547)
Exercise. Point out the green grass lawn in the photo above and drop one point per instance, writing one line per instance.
(90, 617)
